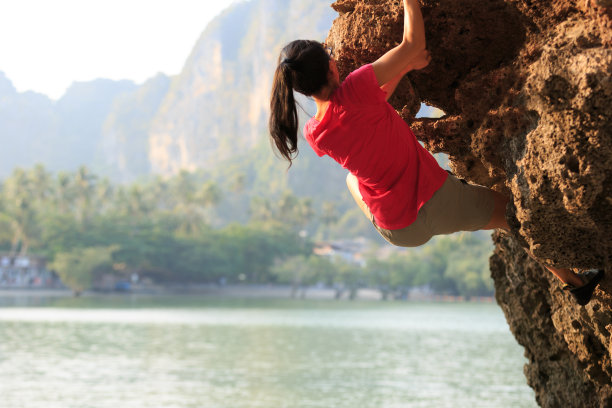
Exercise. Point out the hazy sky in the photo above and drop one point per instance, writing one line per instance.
(45, 45)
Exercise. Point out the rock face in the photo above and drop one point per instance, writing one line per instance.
(217, 107)
(63, 134)
(527, 91)
(125, 137)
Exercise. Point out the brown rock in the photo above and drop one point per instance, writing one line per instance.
(527, 91)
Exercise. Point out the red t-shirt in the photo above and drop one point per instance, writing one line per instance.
(363, 133)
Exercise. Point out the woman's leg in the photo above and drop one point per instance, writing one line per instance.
(498, 220)
(414, 235)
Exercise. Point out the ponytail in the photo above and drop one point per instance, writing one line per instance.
(283, 113)
(303, 66)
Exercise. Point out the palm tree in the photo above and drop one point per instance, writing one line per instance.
(84, 187)
(41, 183)
(19, 210)
(191, 203)
(210, 194)
(238, 182)
(288, 208)
(261, 209)
(137, 204)
(64, 195)
(294, 211)
(305, 212)
(183, 187)
(329, 216)
(104, 195)
(159, 192)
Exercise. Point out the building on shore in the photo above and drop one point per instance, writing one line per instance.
(29, 271)
(351, 251)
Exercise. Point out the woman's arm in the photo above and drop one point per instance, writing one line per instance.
(397, 60)
(419, 62)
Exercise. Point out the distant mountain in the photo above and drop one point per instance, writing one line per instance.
(62, 135)
(122, 152)
(217, 107)
(214, 110)
(29, 125)
(82, 112)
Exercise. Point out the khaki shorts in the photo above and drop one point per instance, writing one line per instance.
(456, 206)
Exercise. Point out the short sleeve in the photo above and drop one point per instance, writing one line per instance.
(309, 138)
(361, 86)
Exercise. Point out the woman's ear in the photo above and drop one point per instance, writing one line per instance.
(332, 73)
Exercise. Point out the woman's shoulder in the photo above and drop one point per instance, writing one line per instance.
(311, 136)
(363, 72)
(361, 86)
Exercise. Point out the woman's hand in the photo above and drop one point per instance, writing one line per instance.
(400, 59)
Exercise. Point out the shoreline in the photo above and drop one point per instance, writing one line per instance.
(237, 292)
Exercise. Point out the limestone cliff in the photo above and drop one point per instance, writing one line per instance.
(218, 106)
(527, 91)
(63, 134)
(122, 152)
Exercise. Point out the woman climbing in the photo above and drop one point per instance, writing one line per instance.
(396, 182)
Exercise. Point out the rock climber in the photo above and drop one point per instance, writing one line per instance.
(397, 184)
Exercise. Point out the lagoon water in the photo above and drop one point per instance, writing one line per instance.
(181, 352)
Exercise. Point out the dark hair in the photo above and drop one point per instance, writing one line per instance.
(302, 66)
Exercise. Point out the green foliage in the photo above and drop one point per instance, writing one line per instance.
(78, 267)
(455, 265)
(163, 229)
(302, 270)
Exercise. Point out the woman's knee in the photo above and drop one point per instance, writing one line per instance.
(353, 186)
(351, 181)
(406, 242)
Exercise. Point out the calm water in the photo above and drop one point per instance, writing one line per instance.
(187, 352)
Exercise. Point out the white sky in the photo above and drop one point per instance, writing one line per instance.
(45, 45)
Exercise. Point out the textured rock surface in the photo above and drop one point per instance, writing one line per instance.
(527, 91)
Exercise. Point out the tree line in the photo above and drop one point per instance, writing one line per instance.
(454, 265)
(162, 228)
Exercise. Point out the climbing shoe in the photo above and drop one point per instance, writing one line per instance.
(584, 293)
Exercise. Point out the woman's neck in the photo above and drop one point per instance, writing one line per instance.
(321, 108)
(322, 100)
